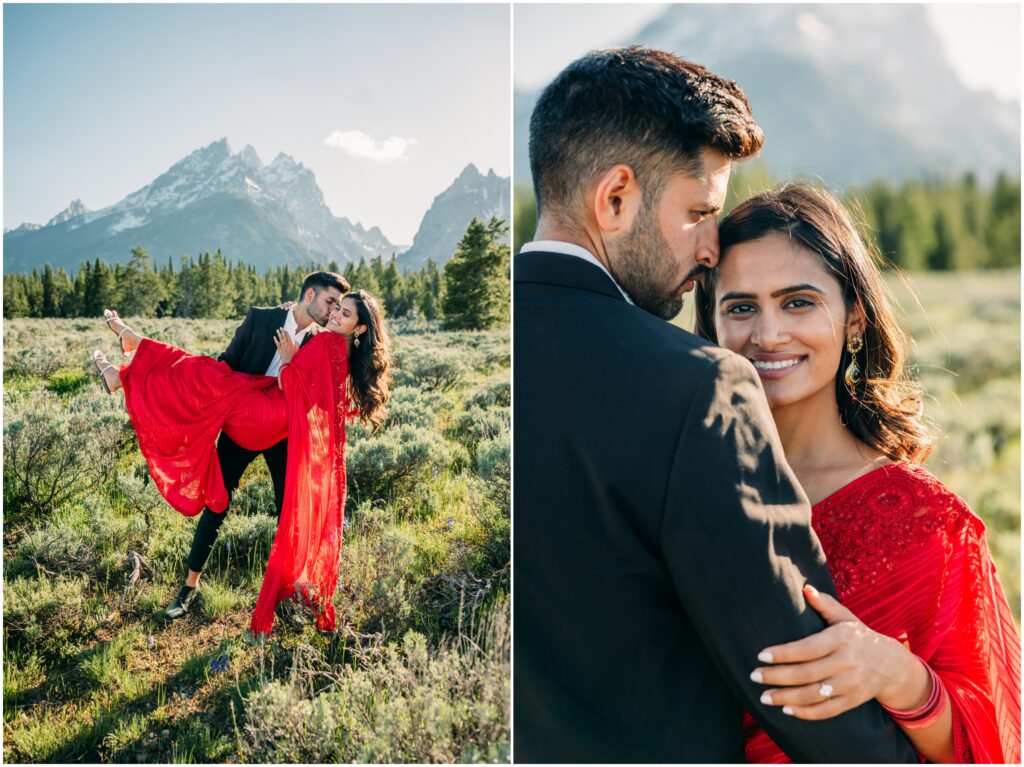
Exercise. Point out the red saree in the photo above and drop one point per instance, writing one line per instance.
(179, 403)
(909, 559)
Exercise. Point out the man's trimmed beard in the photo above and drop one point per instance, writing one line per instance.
(643, 265)
(320, 320)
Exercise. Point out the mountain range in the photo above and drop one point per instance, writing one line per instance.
(264, 215)
(849, 93)
(471, 194)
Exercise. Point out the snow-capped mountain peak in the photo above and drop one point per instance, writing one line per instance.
(470, 195)
(76, 208)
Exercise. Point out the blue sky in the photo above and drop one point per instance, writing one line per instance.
(101, 99)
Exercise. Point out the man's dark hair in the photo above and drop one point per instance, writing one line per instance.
(647, 109)
(320, 280)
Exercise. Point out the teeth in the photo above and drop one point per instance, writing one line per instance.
(774, 365)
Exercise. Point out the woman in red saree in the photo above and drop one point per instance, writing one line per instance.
(179, 403)
(922, 625)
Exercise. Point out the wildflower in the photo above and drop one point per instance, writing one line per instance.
(451, 522)
(151, 642)
(219, 665)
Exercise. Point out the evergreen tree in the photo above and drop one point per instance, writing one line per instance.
(15, 297)
(391, 290)
(433, 290)
(1003, 230)
(142, 290)
(55, 288)
(943, 255)
(102, 289)
(477, 279)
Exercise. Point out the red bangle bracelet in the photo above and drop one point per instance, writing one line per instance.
(926, 714)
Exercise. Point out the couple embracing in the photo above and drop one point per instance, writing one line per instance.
(726, 547)
(280, 389)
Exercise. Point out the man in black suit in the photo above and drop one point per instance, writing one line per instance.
(661, 541)
(252, 350)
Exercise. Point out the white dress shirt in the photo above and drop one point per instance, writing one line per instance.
(572, 249)
(291, 327)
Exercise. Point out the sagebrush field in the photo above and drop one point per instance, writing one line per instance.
(419, 669)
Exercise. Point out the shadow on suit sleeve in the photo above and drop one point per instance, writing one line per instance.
(241, 340)
(737, 539)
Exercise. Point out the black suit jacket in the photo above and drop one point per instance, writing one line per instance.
(252, 347)
(661, 541)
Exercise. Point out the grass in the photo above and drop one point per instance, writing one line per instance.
(91, 672)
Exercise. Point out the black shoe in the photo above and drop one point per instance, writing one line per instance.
(182, 603)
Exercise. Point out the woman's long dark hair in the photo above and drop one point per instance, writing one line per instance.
(370, 362)
(885, 412)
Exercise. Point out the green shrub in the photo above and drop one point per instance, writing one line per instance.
(62, 548)
(410, 406)
(67, 381)
(255, 496)
(478, 424)
(432, 370)
(378, 465)
(242, 547)
(33, 361)
(495, 394)
(52, 615)
(53, 453)
(377, 568)
(415, 703)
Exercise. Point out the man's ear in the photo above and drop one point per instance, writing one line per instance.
(616, 199)
(309, 296)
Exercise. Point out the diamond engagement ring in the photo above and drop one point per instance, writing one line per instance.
(825, 690)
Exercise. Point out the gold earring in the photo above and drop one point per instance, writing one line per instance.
(852, 376)
(355, 341)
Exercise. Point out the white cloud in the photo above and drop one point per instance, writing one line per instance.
(359, 144)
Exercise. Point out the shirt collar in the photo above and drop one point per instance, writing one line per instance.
(572, 249)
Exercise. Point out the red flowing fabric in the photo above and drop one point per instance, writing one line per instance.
(306, 554)
(179, 403)
(909, 558)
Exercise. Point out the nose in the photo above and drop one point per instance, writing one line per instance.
(769, 332)
(707, 244)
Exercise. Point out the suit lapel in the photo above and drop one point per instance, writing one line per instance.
(273, 320)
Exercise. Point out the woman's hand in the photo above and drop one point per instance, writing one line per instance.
(286, 347)
(839, 668)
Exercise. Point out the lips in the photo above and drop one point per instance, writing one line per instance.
(776, 368)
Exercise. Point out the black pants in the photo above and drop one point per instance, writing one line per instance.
(234, 460)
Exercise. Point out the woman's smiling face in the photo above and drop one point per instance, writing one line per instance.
(776, 305)
(344, 318)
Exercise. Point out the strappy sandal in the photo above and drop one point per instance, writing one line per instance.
(96, 357)
(110, 315)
